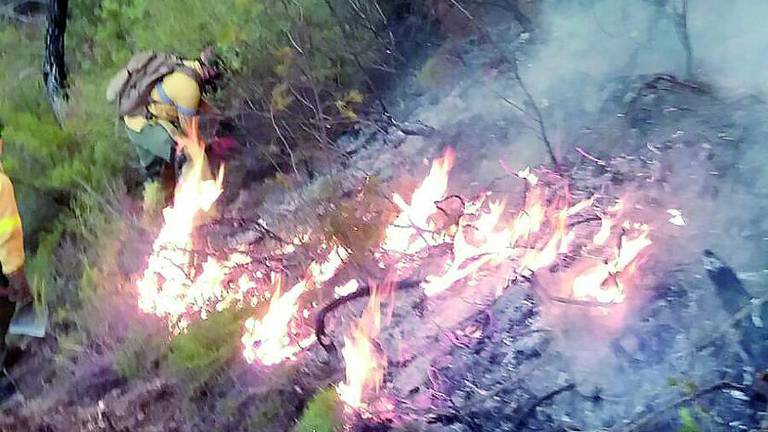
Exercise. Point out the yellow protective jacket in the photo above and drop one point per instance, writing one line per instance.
(176, 95)
(11, 234)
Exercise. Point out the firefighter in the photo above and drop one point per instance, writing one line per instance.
(13, 282)
(174, 100)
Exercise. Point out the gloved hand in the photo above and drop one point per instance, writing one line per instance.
(181, 160)
(20, 291)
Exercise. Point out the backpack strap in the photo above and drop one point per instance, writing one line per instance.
(164, 98)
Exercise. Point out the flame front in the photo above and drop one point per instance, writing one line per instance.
(602, 282)
(485, 236)
(272, 338)
(166, 287)
(364, 364)
(482, 238)
(410, 232)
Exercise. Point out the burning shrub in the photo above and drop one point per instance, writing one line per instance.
(323, 413)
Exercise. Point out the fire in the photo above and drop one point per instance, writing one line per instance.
(491, 245)
(364, 364)
(166, 287)
(487, 240)
(606, 223)
(602, 282)
(410, 232)
(270, 339)
(488, 234)
(275, 345)
(558, 243)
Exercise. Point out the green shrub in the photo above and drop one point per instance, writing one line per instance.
(687, 422)
(207, 346)
(137, 353)
(323, 413)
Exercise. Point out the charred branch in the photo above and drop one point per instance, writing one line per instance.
(680, 17)
(536, 114)
(746, 311)
(530, 411)
(539, 119)
(363, 291)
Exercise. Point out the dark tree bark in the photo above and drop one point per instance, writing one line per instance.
(54, 67)
(681, 26)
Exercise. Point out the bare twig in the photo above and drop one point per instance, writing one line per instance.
(293, 42)
(681, 26)
(462, 9)
(589, 156)
(517, 107)
(539, 117)
(282, 138)
(583, 221)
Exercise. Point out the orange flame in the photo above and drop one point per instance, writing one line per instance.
(536, 259)
(364, 364)
(409, 232)
(269, 339)
(602, 282)
(602, 236)
(492, 244)
(166, 288)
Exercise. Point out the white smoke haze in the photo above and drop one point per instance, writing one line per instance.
(579, 65)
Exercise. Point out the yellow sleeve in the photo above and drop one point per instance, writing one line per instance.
(184, 92)
(11, 234)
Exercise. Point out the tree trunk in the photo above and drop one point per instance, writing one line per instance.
(54, 67)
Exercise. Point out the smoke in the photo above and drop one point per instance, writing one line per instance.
(582, 64)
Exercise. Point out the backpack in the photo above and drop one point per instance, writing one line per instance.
(131, 87)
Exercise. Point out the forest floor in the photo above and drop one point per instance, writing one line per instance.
(500, 350)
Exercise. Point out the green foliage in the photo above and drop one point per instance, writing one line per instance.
(323, 413)
(688, 424)
(39, 266)
(154, 197)
(688, 385)
(269, 411)
(207, 346)
(138, 351)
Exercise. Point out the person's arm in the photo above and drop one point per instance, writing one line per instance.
(12, 241)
